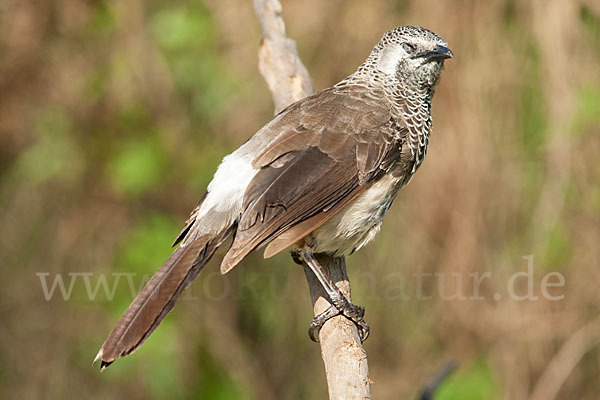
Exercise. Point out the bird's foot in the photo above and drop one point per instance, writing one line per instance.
(318, 322)
(340, 306)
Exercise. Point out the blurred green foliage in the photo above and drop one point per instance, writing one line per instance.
(588, 108)
(54, 155)
(138, 166)
(115, 115)
(186, 34)
(147, 242)
(474, 382)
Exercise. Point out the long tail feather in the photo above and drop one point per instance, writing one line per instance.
(158, 297)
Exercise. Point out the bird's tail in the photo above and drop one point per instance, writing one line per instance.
(158, 297)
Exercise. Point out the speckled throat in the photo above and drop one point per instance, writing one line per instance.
(410, 110)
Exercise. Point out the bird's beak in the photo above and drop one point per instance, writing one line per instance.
(437, 54)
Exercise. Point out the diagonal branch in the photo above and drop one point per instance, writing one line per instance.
(278, 59)
(345, 359)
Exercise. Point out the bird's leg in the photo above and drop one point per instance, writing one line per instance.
(341, 305)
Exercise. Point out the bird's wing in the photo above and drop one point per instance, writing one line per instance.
(329, 148)
(190, 221)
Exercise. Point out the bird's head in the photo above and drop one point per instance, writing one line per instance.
(412, 55)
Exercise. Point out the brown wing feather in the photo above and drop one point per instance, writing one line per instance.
(349, 141)
(189, 222)
(298, 193)
(286, 142)
(299, 231)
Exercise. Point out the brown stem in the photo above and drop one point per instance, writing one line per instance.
(345, 359)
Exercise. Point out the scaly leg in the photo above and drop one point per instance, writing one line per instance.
(340, 304)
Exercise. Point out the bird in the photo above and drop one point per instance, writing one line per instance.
(318, 178)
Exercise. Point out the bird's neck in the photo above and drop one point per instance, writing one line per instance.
(412, 110)
(411, 103)
(410, 99)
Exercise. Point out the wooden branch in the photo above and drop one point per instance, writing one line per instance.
(345, 359)
(278, 59)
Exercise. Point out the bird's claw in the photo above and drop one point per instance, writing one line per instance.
(353, 312)
(318, 322)
(363, 329)
(356, 314)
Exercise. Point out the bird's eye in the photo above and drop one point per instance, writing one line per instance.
(408, 47)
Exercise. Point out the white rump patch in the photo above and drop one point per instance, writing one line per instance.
(225, 193)
(226, 190)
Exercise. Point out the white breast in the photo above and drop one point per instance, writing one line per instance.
(358, 222)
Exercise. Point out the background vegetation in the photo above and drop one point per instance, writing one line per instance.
(114, 116)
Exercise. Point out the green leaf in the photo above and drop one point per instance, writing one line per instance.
(588, 108)
(138, 167)
(179, 28)
(475, 383)
(54, 155)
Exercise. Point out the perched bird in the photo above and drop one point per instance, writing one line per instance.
(319, 178)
